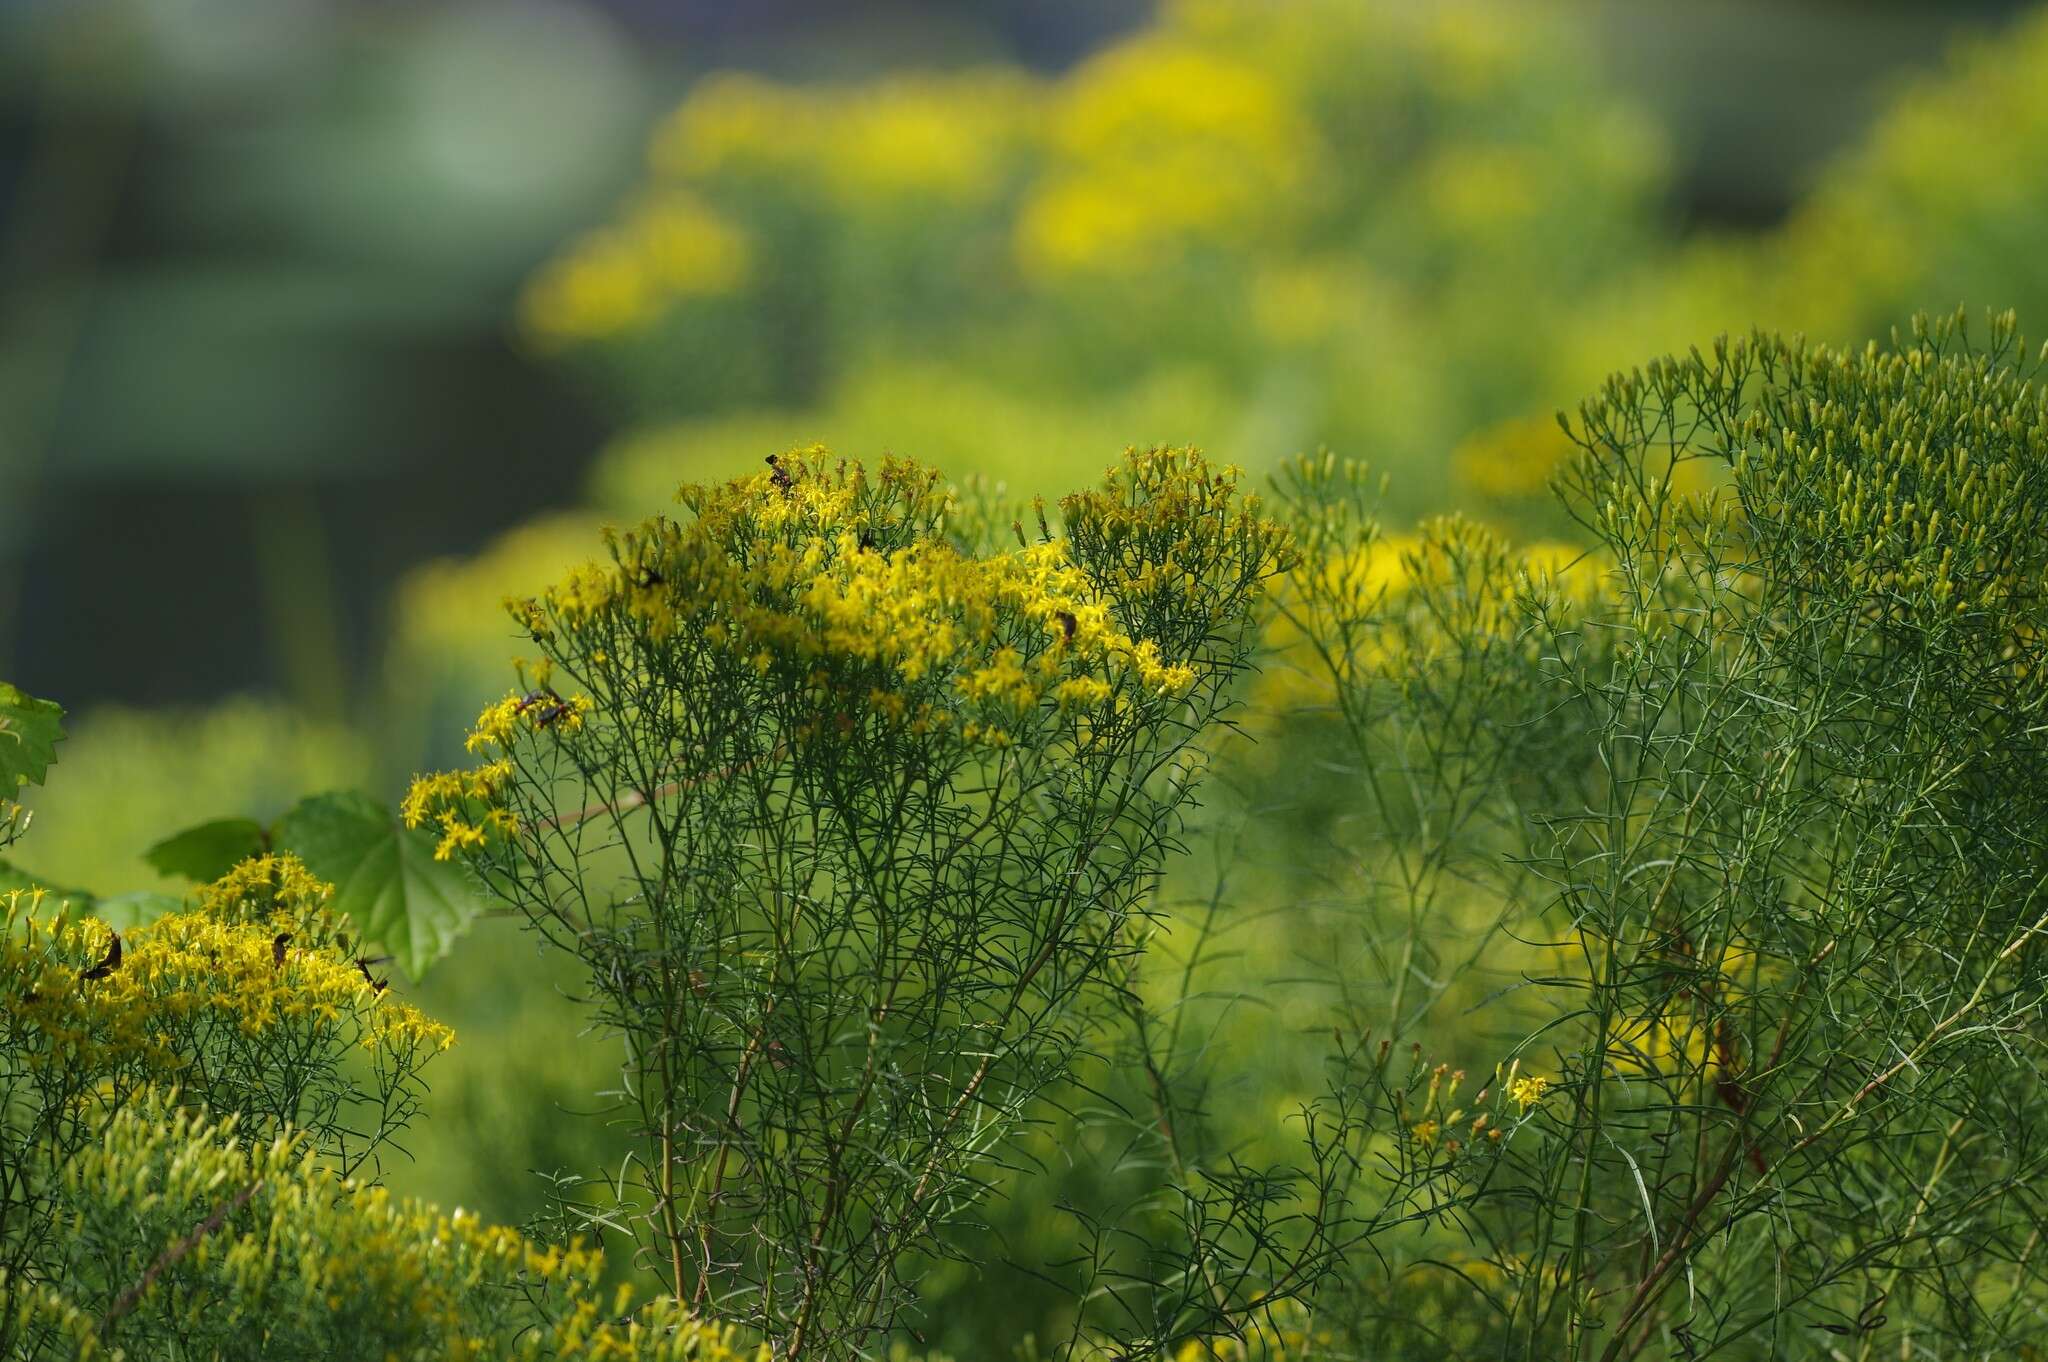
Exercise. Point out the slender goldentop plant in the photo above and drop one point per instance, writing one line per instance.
(1766, 801)
(845, 812)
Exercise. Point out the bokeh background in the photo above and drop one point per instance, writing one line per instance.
(324, 325)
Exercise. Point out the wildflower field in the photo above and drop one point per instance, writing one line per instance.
(1229, 703)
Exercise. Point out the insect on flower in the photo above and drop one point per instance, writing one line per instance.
(376, 985)
(532, 698)
(1067, 624)
(277, 945)
(109, 964)
(780, 477)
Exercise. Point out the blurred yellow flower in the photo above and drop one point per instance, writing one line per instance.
(670, 246)
(1156, 144)
(1512, 460)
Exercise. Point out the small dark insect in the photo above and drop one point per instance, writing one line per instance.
(780, 477)
(376, 985)
(31, 997)
(277, 945)
(532, 698)
(549, 715)
(867, 540)
(1067, 623)
(111, 963)
(647, 576)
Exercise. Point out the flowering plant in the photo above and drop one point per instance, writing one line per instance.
(845, 814)
(1757, 810)
(193, 1109)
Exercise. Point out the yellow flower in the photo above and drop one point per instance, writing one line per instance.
(1528, 1091)
(670, 246)
(1158, 143)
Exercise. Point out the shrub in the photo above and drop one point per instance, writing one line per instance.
(1764, 820)
(846, 817)
(136, 1222)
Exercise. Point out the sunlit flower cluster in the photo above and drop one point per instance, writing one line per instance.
(442, 798)
(257, 957)
(1386, 603)
(850, 589)
(292, 1260)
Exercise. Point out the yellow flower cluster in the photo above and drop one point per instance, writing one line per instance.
(1392, 603)
(923, 139)
(312, 1264)
(275, 891)
(1209, 139)
(811, 561)
(1159, 143)
(446, 798)
(669, 248)
(257, 953)
(902, 146)
(1528, 1090)
(847, 587)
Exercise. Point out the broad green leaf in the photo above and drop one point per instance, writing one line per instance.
(56, 898)
(208, 851)
(123, 911)
(30, 730)
(385, 877)
(119, 911)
